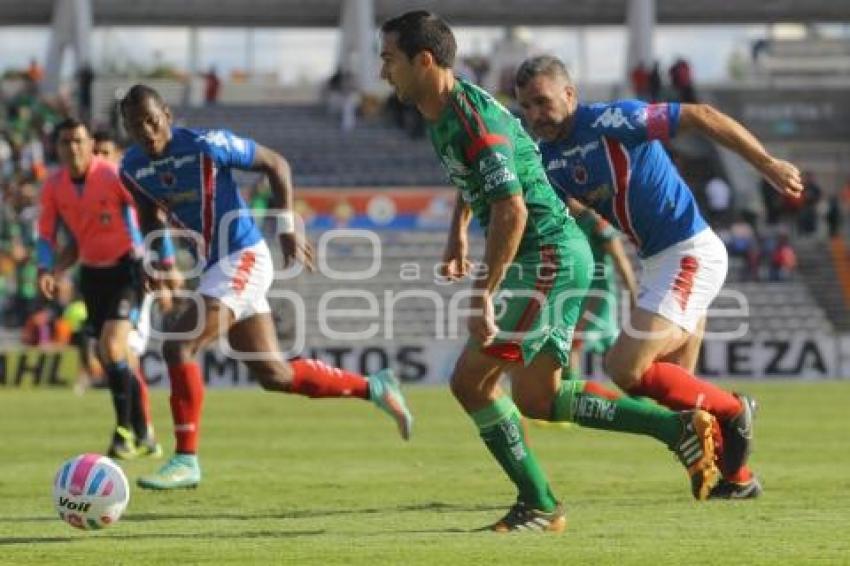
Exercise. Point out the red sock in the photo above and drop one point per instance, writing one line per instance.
(316, 379)
(743, 474)
(601, 391)
(674, 387)
(143, 396)
(187, 397)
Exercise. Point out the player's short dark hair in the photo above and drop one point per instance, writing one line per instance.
(138, 94)
(70, 123)
(421, 30)
(541, 65)
(104, 136)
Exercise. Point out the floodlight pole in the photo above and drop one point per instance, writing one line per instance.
(72, 26)
(640, 19)
(358, 54)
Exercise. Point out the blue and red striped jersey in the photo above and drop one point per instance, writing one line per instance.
(614, 162)
(192, 180)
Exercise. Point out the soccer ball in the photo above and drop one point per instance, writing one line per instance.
(90, 492)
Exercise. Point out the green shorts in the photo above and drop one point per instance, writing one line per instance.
(539, 301)
(597, 329)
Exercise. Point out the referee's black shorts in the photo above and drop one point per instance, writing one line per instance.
(111, 293)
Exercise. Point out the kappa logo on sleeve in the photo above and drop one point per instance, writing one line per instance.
(612, 118)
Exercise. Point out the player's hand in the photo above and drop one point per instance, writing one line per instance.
(165, 299)
(784, 176)
(482, 323)
(455, 265)
(172, 279)
(296, 247)
(47, 285)
(165, 283)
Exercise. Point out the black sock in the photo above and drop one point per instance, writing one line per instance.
(137, 412)
(120, 386)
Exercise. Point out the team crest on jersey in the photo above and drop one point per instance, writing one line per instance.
(167, 178)
(579, 173)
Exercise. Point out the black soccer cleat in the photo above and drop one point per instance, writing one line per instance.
(521, 517)
(726, 489)
(738, 437)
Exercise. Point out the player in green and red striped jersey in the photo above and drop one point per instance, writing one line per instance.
(537, 270)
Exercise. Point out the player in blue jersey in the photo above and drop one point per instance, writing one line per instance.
(187, 174)
(609, 157)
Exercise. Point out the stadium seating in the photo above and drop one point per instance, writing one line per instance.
(372, 154)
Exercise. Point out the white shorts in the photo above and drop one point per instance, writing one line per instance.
(139, 336)
(241, 281)
(680, 283)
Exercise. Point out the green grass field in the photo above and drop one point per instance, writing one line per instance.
(290, 480)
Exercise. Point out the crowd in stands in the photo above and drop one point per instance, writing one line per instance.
(647, 83)
(26, 150)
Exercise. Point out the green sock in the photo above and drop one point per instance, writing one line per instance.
(589, 404)
(501, 429)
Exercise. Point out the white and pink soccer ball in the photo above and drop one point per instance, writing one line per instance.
(90, 492)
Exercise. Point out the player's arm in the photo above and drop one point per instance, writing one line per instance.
(456, 263)
(294, 244)
(67, 257)
(614, 248)
(508, 214)
(507, 224)
(46, 243)
(582, 213)
(726, 131)
(142, 217)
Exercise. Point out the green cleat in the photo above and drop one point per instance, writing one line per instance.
(148, 448)
(180, 472)
(123, 445)
(385, 393)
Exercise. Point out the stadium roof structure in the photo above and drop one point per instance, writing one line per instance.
(326, 13)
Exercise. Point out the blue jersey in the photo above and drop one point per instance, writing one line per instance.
(613, 162)
(192, 180)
